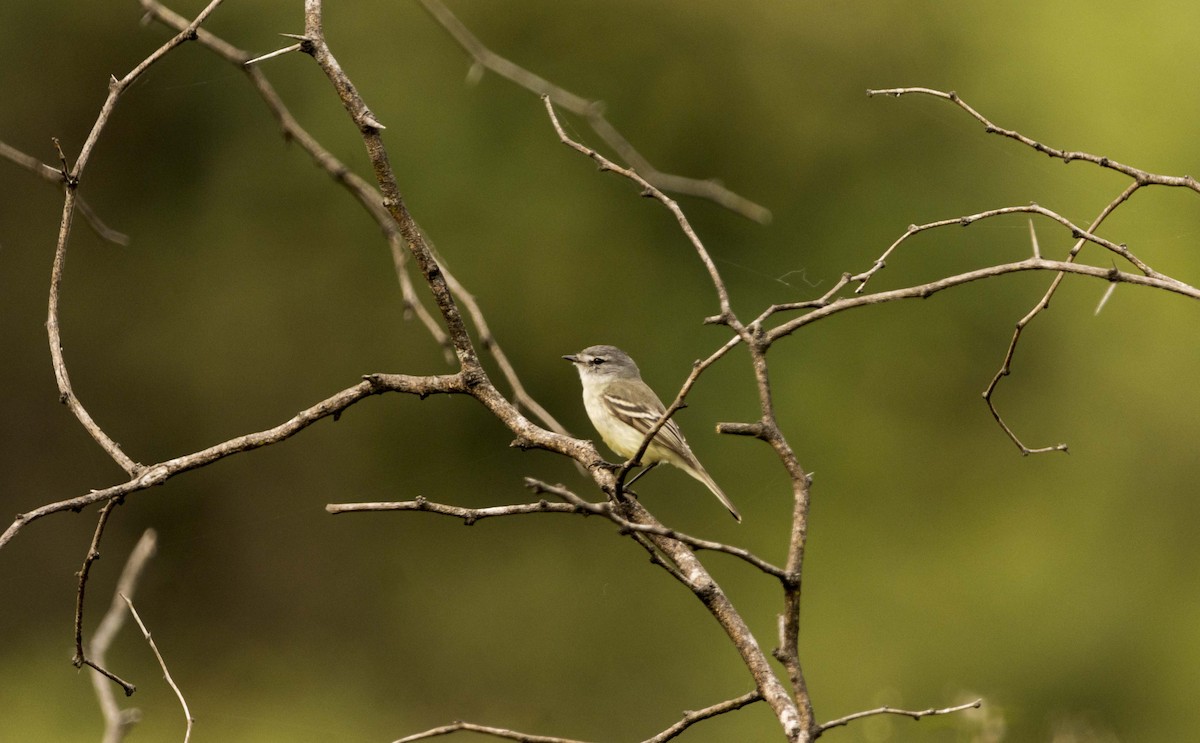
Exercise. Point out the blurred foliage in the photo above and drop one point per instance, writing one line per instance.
(1064, 590)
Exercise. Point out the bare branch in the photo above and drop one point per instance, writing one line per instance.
(658, 558)
(607, 511)
(1042, 304)
(648, 189)
(468, 515)
(55, 176)
(754, 430)
(914, 714)
(117, 721)
(692, 717)
(923, 291)
(115, 89)
(572, 504)
(483, 730)
(1104, 299)
(93, 554)
(157, 474)
(272, 55)
(166, 673)
(1142, 177)
(1080, 234)
(788, 651)
(825, 307)
(593, 113)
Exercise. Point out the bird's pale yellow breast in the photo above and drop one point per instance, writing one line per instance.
(621, 438)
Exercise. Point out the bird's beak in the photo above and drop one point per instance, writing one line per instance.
(572, 358)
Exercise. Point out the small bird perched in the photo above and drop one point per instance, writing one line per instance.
(623, 409)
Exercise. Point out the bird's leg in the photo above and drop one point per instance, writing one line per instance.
(644, 470)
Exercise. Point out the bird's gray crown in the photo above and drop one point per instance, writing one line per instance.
(605, 361)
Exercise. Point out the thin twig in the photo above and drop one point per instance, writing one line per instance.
(157, 474)
(115, 89)
(649, 189)
(694, 716)
(55, 176)
(166, 673)
(606, 510)
(1137, 174)
(93, 554)
(495, 732)
(923, 291)
(1006, 365)
(914, 714)
(1081, 235)
(769, 431)
(469, 516)
(117, 721)
(272, 55)
(573, 505)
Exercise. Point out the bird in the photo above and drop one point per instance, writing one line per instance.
(623, 409)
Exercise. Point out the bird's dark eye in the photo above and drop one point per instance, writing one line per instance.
(597, 361)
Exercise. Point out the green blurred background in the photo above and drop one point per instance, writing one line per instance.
(942, 565)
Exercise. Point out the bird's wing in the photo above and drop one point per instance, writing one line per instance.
(642, 419)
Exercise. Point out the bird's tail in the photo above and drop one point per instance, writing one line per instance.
(697, 471)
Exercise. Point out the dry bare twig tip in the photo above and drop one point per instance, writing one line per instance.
(914, 714)
(166, 672)
(271, 55)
